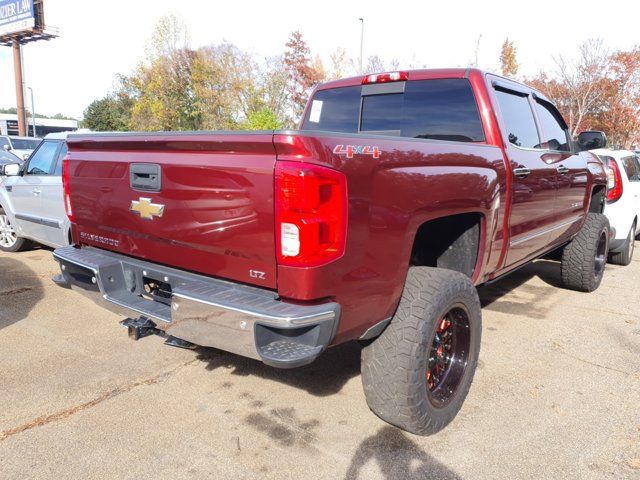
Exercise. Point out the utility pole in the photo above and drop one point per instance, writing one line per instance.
(17, 68)
(361, 41)
(33, 112)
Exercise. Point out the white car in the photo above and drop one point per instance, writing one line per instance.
(623, 201)
(31, 200)
(21, 147)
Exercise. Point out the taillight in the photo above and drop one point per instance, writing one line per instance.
(385, 77)
(614, 182)
(66, 191)
(311, 214)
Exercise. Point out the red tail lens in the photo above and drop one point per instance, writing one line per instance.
(615, 182)
(311, 214)
(65, 188)
(385, 77)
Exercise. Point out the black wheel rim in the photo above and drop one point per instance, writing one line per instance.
(601, 254)
(448, 356)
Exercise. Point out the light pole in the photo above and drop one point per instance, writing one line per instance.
(361, 40)
(33, 112)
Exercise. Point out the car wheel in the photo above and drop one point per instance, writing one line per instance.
(624, 256)
(9, 239)
(417, 373)
(584, 258)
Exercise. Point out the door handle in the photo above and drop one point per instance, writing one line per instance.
(561, 169)
(37, 191)
(521, 172)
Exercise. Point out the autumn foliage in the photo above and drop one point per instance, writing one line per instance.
(597, 91)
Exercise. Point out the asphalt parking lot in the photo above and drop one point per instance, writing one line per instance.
(556, 395)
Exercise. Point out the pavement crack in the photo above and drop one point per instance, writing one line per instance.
(66, 413)
(588, 362)
(15, 291)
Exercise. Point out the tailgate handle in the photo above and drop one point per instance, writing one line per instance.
(146, 177)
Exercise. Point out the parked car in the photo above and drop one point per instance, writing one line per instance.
(623, 202)
(375, 222)
(8, 157)
(21, 147)
(31, 202)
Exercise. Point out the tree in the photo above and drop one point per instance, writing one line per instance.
(303, 74)
(508, 59)
(106, 115)
(341, 65)
(263, 119)
(375, 65)
(579, 86)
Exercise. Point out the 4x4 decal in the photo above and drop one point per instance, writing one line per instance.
(351, 150)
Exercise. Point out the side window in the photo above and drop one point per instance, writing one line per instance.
(518, 119)
(553, 128)
(630, 165)
(63, 153)
(334, 110)
(42, 159)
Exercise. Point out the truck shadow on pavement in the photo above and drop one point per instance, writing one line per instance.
(20, 291)
(326, 376)
(532, 301)
(397, 457)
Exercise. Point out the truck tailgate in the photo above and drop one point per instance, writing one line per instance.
(200, 202)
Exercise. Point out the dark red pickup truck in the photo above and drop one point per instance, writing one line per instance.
(375, 221)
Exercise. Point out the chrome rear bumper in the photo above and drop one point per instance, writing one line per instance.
(238, 318)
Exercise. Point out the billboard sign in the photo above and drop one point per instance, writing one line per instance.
(16, 16)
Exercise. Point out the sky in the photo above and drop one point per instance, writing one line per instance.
(101, 39)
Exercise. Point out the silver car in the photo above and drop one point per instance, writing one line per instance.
(31, 200)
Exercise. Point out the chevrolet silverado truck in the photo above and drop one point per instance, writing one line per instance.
(400, 193)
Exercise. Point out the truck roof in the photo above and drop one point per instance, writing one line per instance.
(424, 74)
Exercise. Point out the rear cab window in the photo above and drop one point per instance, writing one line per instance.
(436, 109)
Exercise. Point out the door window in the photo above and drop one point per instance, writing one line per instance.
(518, 119)
(63, 153)
(42, 160)
(553, 127)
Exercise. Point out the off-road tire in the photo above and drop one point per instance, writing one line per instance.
(19, 245)
(625, 255)
(582, 264)
(394, 365)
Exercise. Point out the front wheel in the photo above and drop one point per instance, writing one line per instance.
(624, 256)
(584, 258)
(417, 373)
(9, 239)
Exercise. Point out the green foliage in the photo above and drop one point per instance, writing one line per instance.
(263, 119)
(106, 115)
(216, 87)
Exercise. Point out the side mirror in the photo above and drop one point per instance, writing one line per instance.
(10, 169)
(591, 140)
(26, 156)
(6, 148)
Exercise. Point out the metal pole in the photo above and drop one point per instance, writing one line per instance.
(361, 41)
(17, 70)
(33, 112)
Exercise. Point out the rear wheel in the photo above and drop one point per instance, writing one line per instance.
(9, 239)
(584, 258)
(624, 256)
(417, 373)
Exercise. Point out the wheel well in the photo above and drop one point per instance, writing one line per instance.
(598, 196)
(448, 242)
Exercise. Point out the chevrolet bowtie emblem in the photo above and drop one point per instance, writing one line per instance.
(146, 209)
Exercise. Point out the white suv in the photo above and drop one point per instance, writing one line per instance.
(623, 201)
